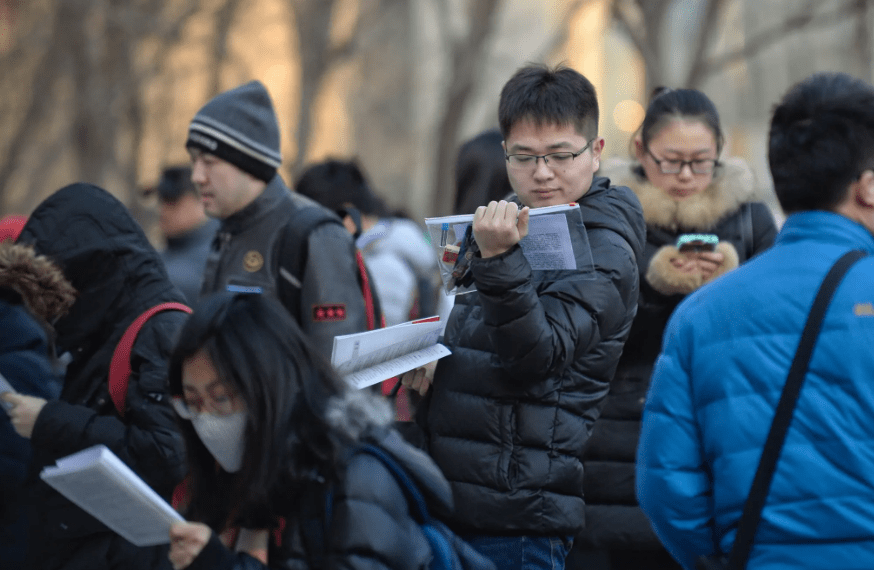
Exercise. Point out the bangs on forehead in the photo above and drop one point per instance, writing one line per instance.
(582, 128)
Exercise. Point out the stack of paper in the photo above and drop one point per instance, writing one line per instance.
(366, 358)
(99, 483)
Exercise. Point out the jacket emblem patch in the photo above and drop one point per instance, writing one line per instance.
(329, 313)
(863, 309)
(253, 261)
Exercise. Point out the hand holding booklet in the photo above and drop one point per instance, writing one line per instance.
(556, 241)
(364, 359)
(99, 483)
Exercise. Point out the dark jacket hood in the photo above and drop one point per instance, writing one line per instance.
(615, 208)
(104, 253)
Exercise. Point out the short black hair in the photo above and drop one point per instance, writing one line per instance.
(175, 182)
(821, 139)
(336, 183)
(481, 173)
(667, 104)
(549, 96)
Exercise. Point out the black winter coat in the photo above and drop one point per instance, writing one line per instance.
(118, 275)
(509, 412)
(745, 227)
(370, 528)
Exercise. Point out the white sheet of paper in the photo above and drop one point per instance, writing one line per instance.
(364, 359)
(99, 483)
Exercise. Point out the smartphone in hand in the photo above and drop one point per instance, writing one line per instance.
(697, 242)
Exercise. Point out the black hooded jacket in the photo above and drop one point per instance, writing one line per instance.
(509, 412)
(118, 275)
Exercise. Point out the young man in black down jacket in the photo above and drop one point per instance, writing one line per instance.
(533, 353)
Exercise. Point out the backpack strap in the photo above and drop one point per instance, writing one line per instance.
(293, 251)
(119, 366)
(418, 507)
(752, 511)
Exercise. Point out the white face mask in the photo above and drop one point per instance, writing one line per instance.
(223, 437)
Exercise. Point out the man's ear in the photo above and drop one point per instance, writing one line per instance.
(597, 147)
(638, 149)
(863, 190)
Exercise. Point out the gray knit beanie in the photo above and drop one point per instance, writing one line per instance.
(240, 127)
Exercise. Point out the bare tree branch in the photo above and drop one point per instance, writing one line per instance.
(559, 38)
(760, 42)
(224, 18)
(702, 42)
(466, 54)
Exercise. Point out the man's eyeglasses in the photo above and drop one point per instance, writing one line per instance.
(553, 159)
(672, 166)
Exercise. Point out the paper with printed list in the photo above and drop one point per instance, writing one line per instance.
(99, 483)
(364, 359)
(549, 245)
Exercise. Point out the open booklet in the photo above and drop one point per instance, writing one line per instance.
(549, 246)
(99, 483)
(363, 359)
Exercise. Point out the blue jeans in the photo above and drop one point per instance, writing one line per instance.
(523, 552)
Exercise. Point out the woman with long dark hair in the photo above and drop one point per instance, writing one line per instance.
(270, 432)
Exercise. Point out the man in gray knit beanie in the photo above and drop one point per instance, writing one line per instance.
(233, 142)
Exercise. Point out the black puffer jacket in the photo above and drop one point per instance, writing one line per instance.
(511, 409)
(101, 249)
(727, 208)
(370, 526)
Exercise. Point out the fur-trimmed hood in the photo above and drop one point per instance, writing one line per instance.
(41, 284)
(733, 184)
(354, 412)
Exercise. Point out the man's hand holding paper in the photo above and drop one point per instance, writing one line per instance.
(419, 379)
(499, 226)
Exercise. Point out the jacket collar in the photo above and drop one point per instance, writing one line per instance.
(733, 185)
(826, 227)
(271, 198)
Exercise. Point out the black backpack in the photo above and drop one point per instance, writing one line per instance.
(294, 246)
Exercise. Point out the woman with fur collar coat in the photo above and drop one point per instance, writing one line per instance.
(683, 189)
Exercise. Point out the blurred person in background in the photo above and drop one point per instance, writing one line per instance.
(233, 142)
(685, 187)
(117, 275)
(481, 172)
(480, 178)
(728, 347)
(271, 432)
(185, 227)
(33, 294)
(398, 257)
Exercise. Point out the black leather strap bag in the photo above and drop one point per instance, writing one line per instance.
(752, 513)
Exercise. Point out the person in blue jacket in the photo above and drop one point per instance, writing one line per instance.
(728, 347)
(33, 293)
